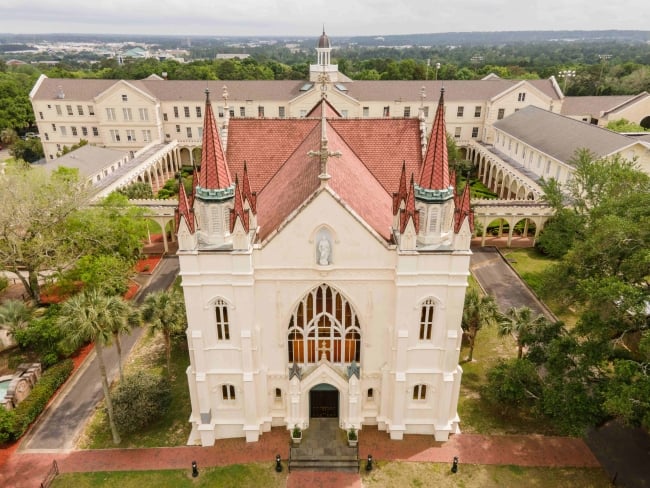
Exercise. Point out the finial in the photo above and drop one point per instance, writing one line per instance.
(423, 94)
(323, 28)
(207, 94)
(224, 93)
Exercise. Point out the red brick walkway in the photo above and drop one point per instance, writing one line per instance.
(25, 469)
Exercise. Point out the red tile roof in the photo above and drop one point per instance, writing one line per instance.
(373, 154)
(293, 183)
(265, 145)
(249, 196)
(214, 172)
(435, 171)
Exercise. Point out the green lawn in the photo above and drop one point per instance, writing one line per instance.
(173, 429)
(235, 476)
(402, 474)
(385, 475)
(478, 416)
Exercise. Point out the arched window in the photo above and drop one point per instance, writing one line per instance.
(420, 392)
(228, 392)
(426, 319)
(324, 325)
(222, 323)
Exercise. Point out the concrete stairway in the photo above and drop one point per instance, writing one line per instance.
(324, 448)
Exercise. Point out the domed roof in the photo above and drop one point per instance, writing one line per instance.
(324, 41)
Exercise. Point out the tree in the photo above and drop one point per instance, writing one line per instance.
(35, 209)
(165, 313)
(30, 150)
(91, 316)
(519, 322)
(140, 399)
(74, 147)
(126, 318)
(479, 311)
(106, 272)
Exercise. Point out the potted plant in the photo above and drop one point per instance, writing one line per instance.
(296, 434)
(353, 439)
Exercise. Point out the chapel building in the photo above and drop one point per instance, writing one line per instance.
(324, 263)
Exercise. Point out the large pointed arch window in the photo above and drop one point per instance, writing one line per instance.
(324, 326)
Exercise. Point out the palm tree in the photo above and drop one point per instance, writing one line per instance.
(91, 316)
(479, 311)
(165, 312)
(14, 315)
(519, 321)
(126, 319)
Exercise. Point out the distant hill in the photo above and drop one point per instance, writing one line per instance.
(435, 39)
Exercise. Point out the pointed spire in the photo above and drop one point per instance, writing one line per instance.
(464, 210)
(402, 193)
(238, 212)
(184, 207)
(409, 212)
(249, 196)
(435, 170)
(214, 169)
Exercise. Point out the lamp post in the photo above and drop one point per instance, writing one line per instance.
(369, 463)
(195, 469)
(278, 463)
(566, 74)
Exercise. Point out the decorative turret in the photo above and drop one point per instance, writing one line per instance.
(409, 222)
(215, 191)
(399, 198)
(185, 221)
(239, 221)
(323, 66)
(434, 191)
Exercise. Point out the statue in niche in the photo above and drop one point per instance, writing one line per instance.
(324, 251)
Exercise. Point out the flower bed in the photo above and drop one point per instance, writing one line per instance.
(147, 264)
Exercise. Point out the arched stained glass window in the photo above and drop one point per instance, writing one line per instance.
(324, 326)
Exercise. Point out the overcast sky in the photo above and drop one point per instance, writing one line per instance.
(306, 17)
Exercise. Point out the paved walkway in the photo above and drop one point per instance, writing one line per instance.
(27, 469)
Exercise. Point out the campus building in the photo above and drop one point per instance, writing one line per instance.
(324, 263)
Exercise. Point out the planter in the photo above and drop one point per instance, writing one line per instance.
(353, 439)
(295, 440)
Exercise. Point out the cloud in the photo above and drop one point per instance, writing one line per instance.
(305, 17)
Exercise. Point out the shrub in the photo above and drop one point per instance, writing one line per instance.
(12, 427)
(44, 337)
(140, 400)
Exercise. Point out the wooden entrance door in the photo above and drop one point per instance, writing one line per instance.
(324, 402)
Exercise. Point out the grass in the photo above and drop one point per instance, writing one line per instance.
(403, 474)
(530, 265)
(173, 429)
(235, 476)
(477, 415)
(385, 475)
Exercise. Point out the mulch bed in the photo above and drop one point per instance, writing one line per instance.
(147, 264)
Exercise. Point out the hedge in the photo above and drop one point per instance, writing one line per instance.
(14, 423)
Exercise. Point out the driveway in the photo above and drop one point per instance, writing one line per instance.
(59, 428)
(498, 279)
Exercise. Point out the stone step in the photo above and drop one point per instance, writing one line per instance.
(340, 465)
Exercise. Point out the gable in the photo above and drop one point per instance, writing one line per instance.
(354, 244)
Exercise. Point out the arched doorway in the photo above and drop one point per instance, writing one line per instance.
(323, 401)
(645, 122)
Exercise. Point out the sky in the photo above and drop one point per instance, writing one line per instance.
(306, 17)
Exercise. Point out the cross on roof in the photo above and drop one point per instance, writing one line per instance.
(324, 153)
